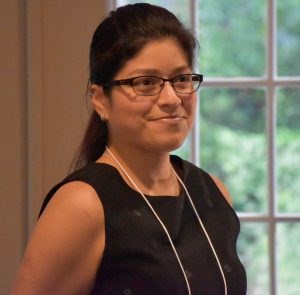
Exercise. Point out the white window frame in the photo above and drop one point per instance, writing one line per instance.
(270, 83)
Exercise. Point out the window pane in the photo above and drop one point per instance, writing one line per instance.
(232, 38)
(180, 8)
(233, 143)
(288, 37)
(253, 251)
(288, 258)
(288, 149)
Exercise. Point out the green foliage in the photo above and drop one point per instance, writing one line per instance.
(288, 241)
(253, 248)
(233, 145)
(288, 149)
(232, 38)
(288, 37)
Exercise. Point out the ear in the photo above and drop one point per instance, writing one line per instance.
(100, 101)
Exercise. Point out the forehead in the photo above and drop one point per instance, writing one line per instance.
(160, 57)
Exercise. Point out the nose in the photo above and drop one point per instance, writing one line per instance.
(168, 96)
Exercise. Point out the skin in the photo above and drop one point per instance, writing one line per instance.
(161, 122)
(66, 258)
(142, 133)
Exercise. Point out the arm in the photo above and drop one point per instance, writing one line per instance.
(223, 189)
(66, 246)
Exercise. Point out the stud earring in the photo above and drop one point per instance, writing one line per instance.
(102, 117)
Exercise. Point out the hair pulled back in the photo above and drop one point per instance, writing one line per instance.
(117, 39)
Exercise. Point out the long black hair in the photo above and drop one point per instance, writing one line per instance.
(118, 38)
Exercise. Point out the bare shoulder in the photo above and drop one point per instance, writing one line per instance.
(76, 203)
(75, 197)
(222, 189)
(66, 246)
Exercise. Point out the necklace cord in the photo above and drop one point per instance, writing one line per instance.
(157, 217)
(204, 230)
(164, 227)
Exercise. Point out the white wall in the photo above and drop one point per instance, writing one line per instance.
(43, 75)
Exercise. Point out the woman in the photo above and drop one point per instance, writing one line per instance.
(133, 219)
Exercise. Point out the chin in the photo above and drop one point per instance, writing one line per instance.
(176, 146)
(165, 146)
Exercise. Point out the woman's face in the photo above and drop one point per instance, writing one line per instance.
(158, 123)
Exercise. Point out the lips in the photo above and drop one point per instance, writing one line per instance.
(170, 117)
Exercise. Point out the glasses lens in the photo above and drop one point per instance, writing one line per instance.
(186, 83)
(147, 85)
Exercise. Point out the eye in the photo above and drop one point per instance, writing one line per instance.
(144, 81)
(182, 79)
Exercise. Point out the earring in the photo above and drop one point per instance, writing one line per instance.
(102, 117)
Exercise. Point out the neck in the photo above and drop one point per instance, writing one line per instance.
(150, 171)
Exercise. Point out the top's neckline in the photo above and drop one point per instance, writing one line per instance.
(124, 183)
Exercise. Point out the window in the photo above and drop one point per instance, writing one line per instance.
(248, 127)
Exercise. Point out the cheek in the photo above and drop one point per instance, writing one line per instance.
(129, 115)
(190, 107)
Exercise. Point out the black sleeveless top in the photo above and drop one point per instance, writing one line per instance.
(138, 258)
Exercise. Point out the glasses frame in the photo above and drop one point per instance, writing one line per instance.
(171, 80)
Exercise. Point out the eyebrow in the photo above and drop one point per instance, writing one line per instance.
(147, 71)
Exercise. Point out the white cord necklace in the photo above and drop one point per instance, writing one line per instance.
(164, 227)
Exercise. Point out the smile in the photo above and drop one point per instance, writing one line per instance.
(169, 118)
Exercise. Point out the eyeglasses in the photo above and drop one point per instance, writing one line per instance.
(152, 85)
